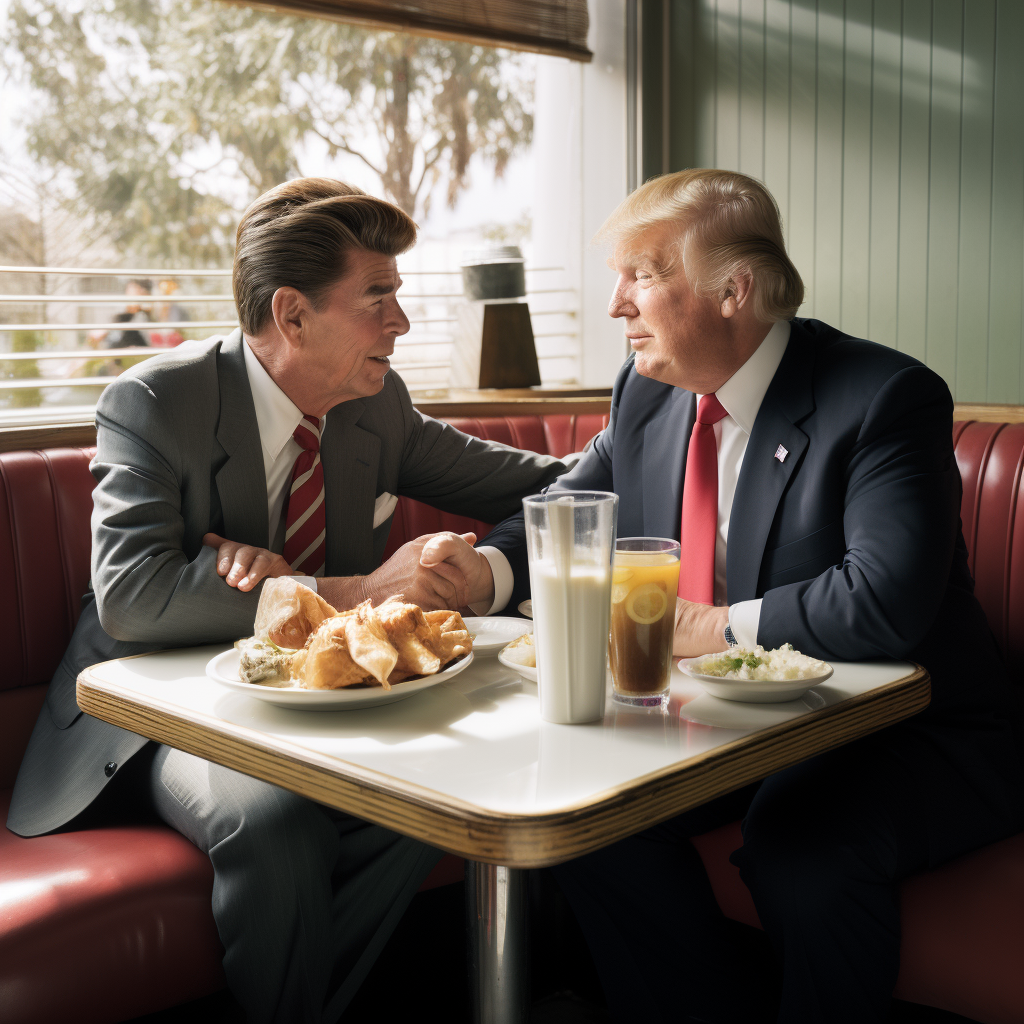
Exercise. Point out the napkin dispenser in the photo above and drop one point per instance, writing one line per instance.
(494, 346)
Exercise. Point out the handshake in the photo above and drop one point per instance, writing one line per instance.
(437, 570)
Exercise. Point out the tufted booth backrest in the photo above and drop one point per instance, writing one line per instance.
(991, 459)
(45, 504)
(551, 435)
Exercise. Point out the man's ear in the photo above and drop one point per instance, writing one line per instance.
(291, 310)
(737, 293)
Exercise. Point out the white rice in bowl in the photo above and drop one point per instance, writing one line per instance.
(758, 664)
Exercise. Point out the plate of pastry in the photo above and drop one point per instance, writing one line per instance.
(305, 654)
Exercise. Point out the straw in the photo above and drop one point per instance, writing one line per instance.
(561, 519)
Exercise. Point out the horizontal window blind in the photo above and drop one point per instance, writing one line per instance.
(64, 335)
(556, 27)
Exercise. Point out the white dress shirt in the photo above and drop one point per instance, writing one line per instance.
(741, 396)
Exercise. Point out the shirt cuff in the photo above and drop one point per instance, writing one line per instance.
(503, 582)
(307, 581)
(744, 618)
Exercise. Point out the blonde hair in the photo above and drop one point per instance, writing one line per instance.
(299, 233)
(729, 224)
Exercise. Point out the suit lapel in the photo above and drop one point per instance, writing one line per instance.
(666, 439)
(350, 456)
(763, 477)
(241, 480)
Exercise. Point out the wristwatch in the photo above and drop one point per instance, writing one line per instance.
(730, 636)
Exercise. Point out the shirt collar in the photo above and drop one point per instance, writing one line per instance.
(742, 394)
(277, 415)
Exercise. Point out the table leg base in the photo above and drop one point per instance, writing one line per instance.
(496, 926)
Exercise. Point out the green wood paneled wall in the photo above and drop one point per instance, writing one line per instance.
(891, 132)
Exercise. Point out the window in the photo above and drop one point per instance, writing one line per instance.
(136, 134)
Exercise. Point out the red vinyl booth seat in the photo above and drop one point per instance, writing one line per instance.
(109, 923)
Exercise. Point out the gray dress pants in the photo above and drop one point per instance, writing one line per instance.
(304, 897)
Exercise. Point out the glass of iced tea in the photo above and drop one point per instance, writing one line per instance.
(645, 577)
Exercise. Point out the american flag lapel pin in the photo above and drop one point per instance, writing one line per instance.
(781, 453)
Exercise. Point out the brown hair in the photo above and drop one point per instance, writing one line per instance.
(729, 223)
(298, 235)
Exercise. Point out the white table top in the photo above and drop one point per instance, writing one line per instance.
(474, 746)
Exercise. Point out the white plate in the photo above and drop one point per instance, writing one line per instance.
(224, 670)
(524, 670)
(492, 632)
(526, 608)
(753, 691)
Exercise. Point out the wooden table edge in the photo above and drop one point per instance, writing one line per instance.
(523, 841)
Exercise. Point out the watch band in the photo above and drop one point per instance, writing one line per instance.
(730, 636)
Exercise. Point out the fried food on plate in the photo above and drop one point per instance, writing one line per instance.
(411, 635)
(364, 646)
(346, 650)
(288, 613)
(454, 640)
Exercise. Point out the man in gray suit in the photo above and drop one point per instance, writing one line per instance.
(199, 467)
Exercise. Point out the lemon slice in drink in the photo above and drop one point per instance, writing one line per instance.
(619, 593)
(646, 604)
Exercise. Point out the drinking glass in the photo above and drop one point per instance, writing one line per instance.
(645, 578)
(570, 537)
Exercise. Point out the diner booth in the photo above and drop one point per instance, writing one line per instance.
(877, 127)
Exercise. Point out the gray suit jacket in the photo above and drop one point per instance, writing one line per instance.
(179, 455)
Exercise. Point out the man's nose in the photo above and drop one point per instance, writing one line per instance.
(398, 322)
(620, 304)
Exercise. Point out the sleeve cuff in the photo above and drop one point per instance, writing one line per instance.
(503, 581)
(744, 618)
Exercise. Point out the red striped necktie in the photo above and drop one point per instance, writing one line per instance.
(700, 506)
(305, 545)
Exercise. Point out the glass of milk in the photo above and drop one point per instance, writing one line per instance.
(570, 538)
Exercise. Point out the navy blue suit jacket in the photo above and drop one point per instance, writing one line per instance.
(853, 541)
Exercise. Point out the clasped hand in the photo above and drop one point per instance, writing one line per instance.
(440, 570)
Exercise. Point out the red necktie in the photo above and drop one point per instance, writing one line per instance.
(700, 506)
(305, 546)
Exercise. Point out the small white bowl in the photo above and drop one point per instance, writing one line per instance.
(491, 633)
(526, 671)
(752, 691)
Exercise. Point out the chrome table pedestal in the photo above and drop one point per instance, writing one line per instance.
(496, 923)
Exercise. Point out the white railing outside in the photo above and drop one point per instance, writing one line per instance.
(51, 371)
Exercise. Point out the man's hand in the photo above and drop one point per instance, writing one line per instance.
(430, 586)
(243, 565)
(700, 629)
(457, 551)
(438, 570)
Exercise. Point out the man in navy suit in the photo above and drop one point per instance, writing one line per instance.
(833, 524)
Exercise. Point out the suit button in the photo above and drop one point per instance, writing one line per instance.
(109, 768)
